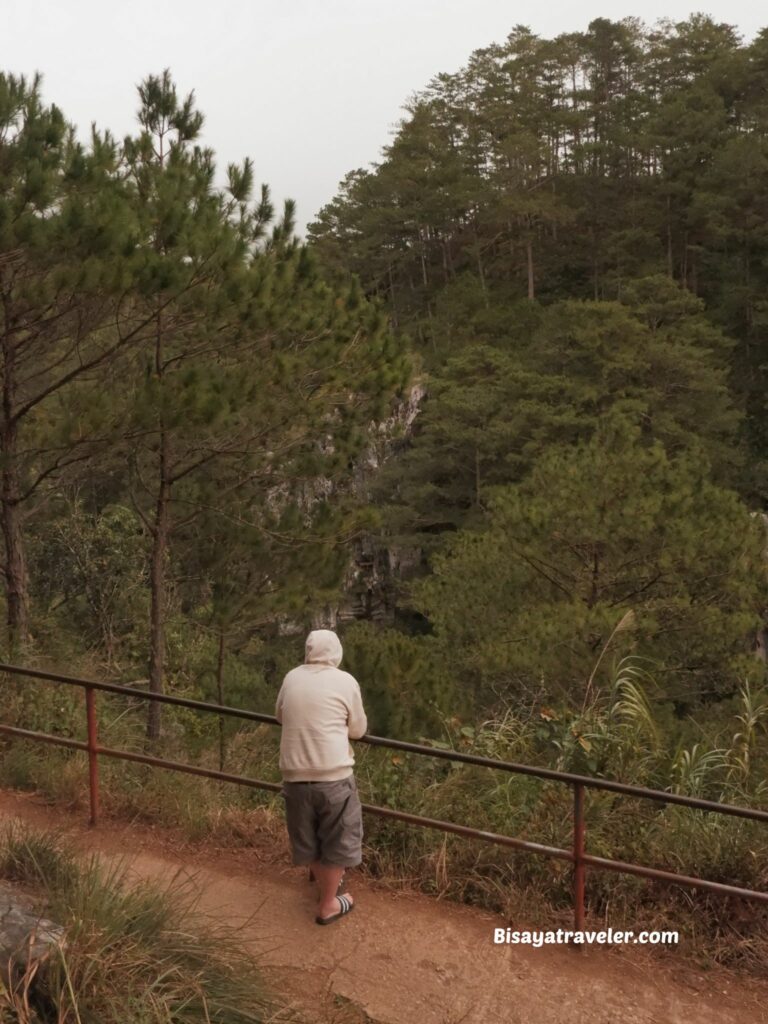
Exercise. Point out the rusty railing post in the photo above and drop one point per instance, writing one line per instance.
(93, 753)
(579, 868)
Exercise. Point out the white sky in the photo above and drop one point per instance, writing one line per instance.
(310, 89)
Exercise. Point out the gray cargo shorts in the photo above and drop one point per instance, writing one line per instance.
(325, 822)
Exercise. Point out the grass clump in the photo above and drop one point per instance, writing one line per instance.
(134, 953)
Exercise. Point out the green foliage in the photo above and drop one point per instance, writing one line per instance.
(253, 393)
(625, 732)
(405, 688)
(67, 244)
(565, 169)
(593, 533)
(570, 234)
(655, 358)
(90, 573)
(483, 423)
(494, 409)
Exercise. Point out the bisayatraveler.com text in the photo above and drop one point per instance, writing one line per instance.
(562, 936)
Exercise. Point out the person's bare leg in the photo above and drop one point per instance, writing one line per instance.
(328, 877)
(311, 876)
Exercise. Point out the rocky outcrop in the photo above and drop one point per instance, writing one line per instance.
(369, 588)
(387, 435)
(26, 936)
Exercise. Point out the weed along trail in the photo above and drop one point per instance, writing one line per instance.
(402, 959)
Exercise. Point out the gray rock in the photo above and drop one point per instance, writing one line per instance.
(25, 935)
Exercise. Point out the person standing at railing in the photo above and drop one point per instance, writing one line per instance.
(320, 708)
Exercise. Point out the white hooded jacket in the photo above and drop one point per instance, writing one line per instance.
(320, 709)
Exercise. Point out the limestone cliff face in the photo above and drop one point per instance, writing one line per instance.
(386, 435)
(369, 584)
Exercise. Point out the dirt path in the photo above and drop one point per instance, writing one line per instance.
(405, 959)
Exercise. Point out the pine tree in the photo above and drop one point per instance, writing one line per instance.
(598, 531)
(252, 359)
(66, 245)
(494, 409)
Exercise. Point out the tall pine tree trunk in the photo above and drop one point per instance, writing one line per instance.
(424, 277)
(529, 261)
(684, 269)
(160, 539)
(15, 568)
(480, 270)
(220, 698)
(392, 295)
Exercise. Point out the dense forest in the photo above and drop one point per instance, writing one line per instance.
(500, 418)
(572, 234)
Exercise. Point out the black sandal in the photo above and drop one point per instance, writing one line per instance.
(347, 906)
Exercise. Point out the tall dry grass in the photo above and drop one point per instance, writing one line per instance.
(133, 953)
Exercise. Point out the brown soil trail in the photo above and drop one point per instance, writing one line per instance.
(411, 959)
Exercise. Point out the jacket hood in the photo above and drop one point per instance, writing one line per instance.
(323, 647)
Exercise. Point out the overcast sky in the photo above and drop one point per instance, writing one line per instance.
(309, 88)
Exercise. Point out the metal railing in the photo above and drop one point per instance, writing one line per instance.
(577, 855)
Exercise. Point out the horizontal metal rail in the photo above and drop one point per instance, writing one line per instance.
(576, 856)
(548, 774)
(276, 787)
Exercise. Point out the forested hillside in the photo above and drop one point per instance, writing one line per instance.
(572, 234)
